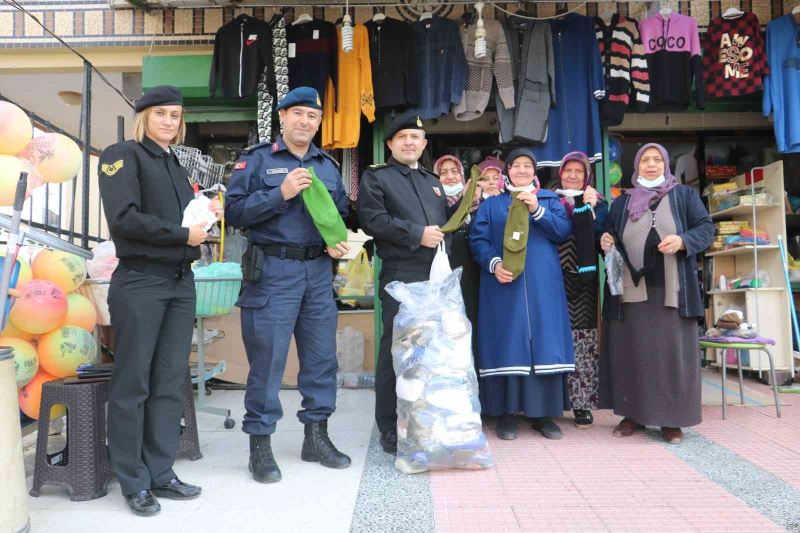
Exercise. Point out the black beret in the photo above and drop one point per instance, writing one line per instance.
(304, 96)
(405, 121)
(161, 95)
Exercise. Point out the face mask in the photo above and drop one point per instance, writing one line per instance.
(453, 190)
(651, 184)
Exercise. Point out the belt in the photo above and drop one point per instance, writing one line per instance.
(167, 270)
(299, 253)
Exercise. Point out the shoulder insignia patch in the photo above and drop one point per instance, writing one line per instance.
(378, 165)
(113, 168)
(240, 165)
(253, 147)
(275, 147)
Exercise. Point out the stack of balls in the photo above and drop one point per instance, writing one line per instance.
(50, 325)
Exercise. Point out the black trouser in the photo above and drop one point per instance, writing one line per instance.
(153, 318)
(385, 396)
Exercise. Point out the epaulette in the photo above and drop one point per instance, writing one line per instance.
(254, 147)
(376, 166)
(328, 156)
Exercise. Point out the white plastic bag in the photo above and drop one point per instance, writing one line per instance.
(197, 212)
(104, 262)
(440, 268)
(614, 267)
(438, 410)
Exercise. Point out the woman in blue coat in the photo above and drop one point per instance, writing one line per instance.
(524, 333)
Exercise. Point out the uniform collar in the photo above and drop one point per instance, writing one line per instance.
(154, 148)
(405, 169)
(280, 145)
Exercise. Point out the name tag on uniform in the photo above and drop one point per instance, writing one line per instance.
(277, 171)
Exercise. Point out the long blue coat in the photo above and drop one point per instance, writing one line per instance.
(523, 326)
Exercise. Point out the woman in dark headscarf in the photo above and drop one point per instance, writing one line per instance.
(578, 255)
(451, 175)
(524, 339)
(650, 366)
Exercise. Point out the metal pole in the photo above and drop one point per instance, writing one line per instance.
(120, 128)
(86, 134)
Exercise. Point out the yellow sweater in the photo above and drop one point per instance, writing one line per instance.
(341, 128)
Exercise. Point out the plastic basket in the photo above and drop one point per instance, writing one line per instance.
(216, 296)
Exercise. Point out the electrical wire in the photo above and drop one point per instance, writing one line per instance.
(20, 8)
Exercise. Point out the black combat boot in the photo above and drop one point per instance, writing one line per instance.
(262, 462)
(317, 447)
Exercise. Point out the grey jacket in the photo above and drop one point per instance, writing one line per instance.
(496, 64)
(530, 46)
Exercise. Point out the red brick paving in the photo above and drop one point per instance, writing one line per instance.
(592, 481)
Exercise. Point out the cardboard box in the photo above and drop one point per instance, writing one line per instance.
(231, 346)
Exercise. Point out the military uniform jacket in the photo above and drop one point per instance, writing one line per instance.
(254, 200)
(144, 191)
(395, 203)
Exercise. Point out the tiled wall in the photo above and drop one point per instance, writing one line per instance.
(90, 23)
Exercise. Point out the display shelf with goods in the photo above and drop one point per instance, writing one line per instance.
(757, 206)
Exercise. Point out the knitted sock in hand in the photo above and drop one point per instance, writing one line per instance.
(515, 236)
(583, 225)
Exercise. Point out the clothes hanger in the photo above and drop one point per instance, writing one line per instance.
(379, 16)
(288, 14)
(302, 19)
(732, 12)
(427, 14)
(666, 10)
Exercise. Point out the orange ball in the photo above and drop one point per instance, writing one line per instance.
(30, 397)
(26, 361)
(55, 156)
(13, 331)
(63, 350)
(25, 271)
(80, 312)
(66, 270)
(41, 308)
(16, 129)
(10, 167)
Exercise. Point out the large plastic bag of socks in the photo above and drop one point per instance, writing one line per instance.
(438, 411)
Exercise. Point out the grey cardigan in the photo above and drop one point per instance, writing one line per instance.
(496, 64)
(530, 46)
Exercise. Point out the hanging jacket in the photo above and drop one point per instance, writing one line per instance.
(242, 50)
(625, 68)
(672, 47)
(495, 65)
(353, 96)
(782, 85)
(313, 55)
(734, 58)
(531, 49)
(393, 59)
(441, 65)
(574, 124)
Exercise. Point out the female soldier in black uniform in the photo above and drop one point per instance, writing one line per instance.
(151, 299)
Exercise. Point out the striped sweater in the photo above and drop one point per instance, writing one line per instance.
(625, 68)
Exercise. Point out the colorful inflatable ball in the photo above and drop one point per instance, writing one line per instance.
(26, 361)
(13, 331)
(10, 167)
(25, 273)
(614, 173)
(66, 270)
(80, 312)
(41, 308)
(30, 397)
(55, 156)
(16, 129)
(63, 350)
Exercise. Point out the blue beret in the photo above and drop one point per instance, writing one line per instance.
(161, 95)
(304, 96)
(405, 121)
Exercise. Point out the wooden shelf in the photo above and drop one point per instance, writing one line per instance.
(741, 250)
(742, 210)
(734, 291)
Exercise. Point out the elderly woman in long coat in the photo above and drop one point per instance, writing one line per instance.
(524, 333)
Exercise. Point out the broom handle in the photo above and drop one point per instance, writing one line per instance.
(222, 222)
(13, 245)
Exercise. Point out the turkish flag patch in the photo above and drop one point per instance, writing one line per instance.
(241, 165)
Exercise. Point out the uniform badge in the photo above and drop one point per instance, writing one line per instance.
(110, 170)
(275, 147)
(240, 165)
(437, 191)
(318, 101)
(419, 122)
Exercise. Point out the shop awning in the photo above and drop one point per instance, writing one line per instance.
(189, 73)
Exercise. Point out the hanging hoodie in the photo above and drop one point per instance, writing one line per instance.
(242, 51)
(625, 68)
(734, 58)
(495, 65)
(782, 85)
(441, 65)
(313, 53)
(672, 48)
